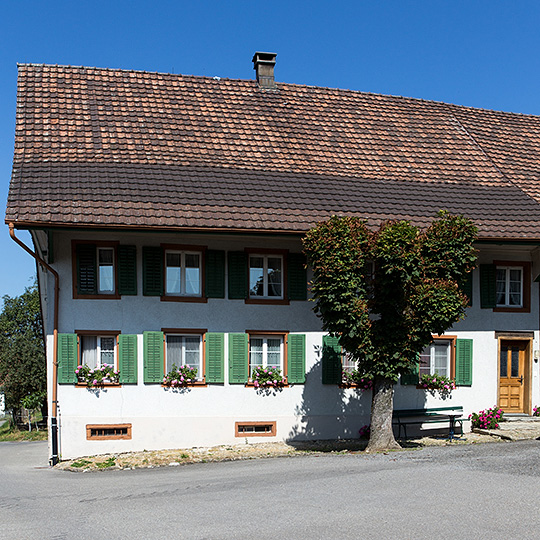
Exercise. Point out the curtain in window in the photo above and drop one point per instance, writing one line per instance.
(174, 351)
(89, 351)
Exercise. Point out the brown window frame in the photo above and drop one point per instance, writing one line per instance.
(177, 297)
(99, 244)
(453, 340)
(187, 331)
(97, 333)
(90, 427)
(269, 301)
(271, 433)
(284, 334)
(526, 287)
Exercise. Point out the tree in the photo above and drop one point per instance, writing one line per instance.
(22, 352)
(385, 322)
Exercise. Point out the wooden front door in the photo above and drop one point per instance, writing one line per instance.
(512, 375)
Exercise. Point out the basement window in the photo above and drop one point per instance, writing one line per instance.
(255, 429)
(106, 432)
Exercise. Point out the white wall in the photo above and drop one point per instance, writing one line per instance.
(165, 418)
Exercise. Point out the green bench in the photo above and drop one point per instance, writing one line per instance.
(435, 415)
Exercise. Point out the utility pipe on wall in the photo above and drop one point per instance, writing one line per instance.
(54, 417)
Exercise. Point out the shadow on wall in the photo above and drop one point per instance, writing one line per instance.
(328, 412)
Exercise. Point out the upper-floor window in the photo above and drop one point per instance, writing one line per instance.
(97, 272)
(505, 286)
(509, 286)
(183, 273)
(266, 276)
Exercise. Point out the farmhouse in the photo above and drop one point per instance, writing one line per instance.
(167, 212)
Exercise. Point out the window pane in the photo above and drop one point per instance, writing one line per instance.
(193, 281)
(106, 270)
(501, 287)
(273, 353)
(173, 259)
(256, 276)
(107, 350)
(441, 359)
(192, 353)
(515, 288)
(173, 280)
(515, 362)
(89, 351)
(347, 363)
(274, 276)
(255, 353)
(425, 362)
(504, 361)
(174, 351)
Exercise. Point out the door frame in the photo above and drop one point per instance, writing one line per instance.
(527, 338)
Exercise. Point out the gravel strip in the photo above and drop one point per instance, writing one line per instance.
(175, 458)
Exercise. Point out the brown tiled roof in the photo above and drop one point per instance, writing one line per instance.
(113, 148)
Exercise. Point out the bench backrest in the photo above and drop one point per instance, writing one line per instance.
(398, 413)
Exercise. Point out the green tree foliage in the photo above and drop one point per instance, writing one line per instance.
(384, 321)
(22, 353)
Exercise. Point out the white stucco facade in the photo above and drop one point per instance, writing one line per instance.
(202, 416)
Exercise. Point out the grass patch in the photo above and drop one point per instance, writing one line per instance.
(105, 464)
(11, 434)
(80, 463)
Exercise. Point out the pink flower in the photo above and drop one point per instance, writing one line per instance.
(95, 382)
(256, 384)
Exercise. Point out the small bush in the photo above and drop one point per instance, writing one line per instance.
(180, 376)
(267, 377)
(488, 419)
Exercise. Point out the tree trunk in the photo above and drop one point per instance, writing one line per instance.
(382, 405)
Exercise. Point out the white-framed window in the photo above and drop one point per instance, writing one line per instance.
(183, 274)
(348, 364)
(266, 351)
(436, 358)
(105, 267)
(266, 276)
(184, 350)
(96, 351)
(509, 286)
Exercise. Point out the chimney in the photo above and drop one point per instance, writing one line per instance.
(263, 64)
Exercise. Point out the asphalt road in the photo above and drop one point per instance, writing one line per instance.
(487, 491)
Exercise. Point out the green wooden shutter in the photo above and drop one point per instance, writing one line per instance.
(488, 274)
(215, 358)
(464, 348)
(411, 377)
(296, 277)
(296, 359)
(214, 286)
(238, 358)
(127, 358)
(331, 360)
(153, 357)
(86, 269)
(467, 288)
(152, 271)
(66, 356)
(127, 270)
(238, 275)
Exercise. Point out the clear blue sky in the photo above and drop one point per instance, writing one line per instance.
(481, 53)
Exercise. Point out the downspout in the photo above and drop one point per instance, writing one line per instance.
(54, 411)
